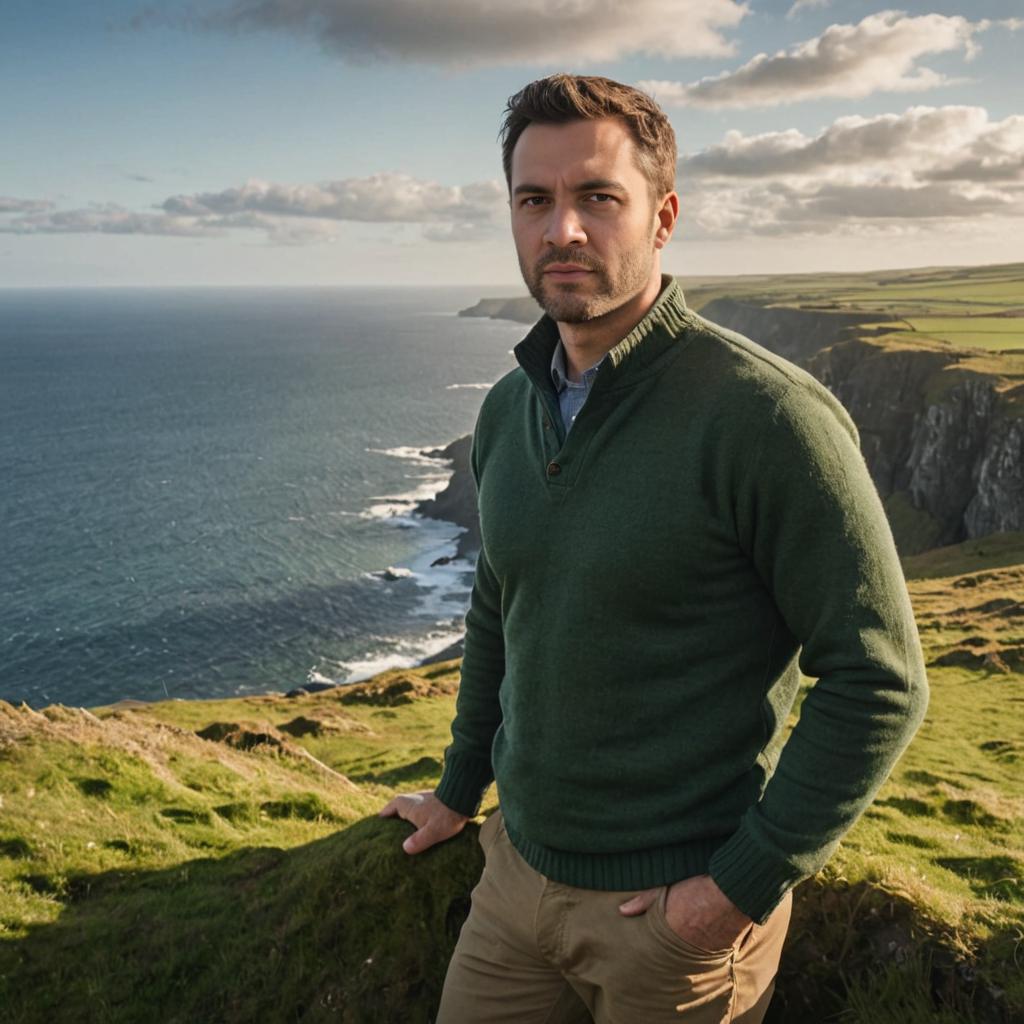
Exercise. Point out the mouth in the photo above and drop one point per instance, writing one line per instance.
(566, 271)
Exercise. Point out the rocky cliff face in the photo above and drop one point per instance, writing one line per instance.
(939, 435)
(941, 428)
(795, 334)
(457, 502)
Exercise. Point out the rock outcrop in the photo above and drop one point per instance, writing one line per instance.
(941, 428)
(522, 309)
(457, 502)
(942, 431)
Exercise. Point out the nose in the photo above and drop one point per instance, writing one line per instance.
(563, 227)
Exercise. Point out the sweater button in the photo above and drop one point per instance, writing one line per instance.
(554, 469)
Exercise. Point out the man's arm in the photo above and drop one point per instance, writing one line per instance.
(809, 516)
(467, 760)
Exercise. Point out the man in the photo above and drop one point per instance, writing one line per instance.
(659, 563)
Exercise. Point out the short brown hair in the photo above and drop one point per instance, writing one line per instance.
(560, 99)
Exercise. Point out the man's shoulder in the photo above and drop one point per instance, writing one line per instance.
(509, 388)
(742, 370)
(746, 360)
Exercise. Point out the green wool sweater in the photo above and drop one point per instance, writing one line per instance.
(649, 589)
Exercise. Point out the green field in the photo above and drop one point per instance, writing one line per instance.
(969, 307)
(990, 332)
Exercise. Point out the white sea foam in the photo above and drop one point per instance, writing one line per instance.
(390, 574)
(398, 507)
(442, 602)
(400, 653)
(483, 386)
(315, 676)
(415, 455)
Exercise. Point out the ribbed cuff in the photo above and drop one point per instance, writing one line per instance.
(753, 878)
(463, 782)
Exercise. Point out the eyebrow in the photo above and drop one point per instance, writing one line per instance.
(595, 184)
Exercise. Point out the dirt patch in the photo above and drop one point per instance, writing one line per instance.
(335, 723)
(264, 738)
(244, 736)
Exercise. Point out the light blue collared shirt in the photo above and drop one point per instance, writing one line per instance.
(571, 394)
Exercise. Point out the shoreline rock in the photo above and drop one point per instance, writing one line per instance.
(456, 503)
(520, 308)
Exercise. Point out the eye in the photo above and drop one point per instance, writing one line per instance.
(533, 201)
(601, 198)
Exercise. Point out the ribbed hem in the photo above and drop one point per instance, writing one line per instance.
(752, 878)
(636, 869)
(463, 782)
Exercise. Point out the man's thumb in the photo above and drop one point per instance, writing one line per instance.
(638, 904)
(417, 841)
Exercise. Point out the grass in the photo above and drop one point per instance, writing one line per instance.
(968, 307)
(928, 886)
(147, 873)
(994, 333)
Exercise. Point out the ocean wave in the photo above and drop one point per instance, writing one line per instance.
(401, 652)
(391, 573)
(418, 456)
(398, 507)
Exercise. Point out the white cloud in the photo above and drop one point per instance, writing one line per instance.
(288, 214)
(881, 53)
(932, 141)
(8, 204)
(947, 168)
(386, 197)
(106, 218)
(897, 173)
(474, 33)
(804, 5)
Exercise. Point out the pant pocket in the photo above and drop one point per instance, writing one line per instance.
(668, 935)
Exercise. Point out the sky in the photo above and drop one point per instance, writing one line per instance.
(355, 142)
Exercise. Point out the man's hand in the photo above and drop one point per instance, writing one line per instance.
(434, 821)
(697, 911)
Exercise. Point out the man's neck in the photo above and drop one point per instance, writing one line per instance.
(586, 343)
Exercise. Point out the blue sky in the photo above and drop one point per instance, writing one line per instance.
(337, 142)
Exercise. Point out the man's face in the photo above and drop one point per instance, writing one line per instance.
(582, 217)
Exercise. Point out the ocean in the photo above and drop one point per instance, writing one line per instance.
(202, 490)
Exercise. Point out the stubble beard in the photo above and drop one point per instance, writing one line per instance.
(576, 302)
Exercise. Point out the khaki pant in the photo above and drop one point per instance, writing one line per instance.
(533, 951)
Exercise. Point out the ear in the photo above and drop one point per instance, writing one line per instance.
(666, 217)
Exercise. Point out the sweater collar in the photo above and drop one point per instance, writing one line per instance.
(657, 330)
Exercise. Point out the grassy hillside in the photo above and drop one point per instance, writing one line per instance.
(222, 860)
(148, 873)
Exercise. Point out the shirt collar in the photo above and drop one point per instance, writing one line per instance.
(558, 371)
